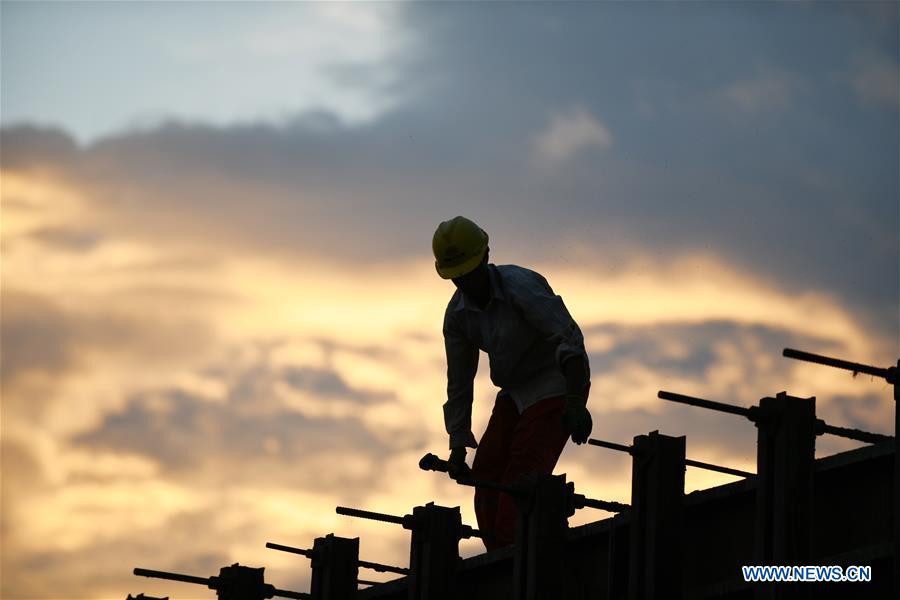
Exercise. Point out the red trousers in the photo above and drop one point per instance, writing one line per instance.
(512, 445)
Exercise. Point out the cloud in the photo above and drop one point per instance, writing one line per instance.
(570, 132)
(768, 90)
(147, 64)
(876, 81)
(213, 334)
(209, 444)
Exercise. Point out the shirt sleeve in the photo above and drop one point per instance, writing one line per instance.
(547, 313)
(462, 364)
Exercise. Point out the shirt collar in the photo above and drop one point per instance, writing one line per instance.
(464, 303)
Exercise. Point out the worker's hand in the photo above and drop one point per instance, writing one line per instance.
(456, 464)
(577, 419)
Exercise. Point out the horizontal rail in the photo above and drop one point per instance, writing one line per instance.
(719, 406)
(711, 467)
(687, 461)
(430, 462)
(362, 563)
(836, 363)
(855, 434)
(213, 583)
(172, 576)
(754, 412)
(382, 568)
(291, 549)
(373, 516)
(616, 507)
(610, 445)
(289, 594)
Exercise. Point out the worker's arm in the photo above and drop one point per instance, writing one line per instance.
(576, 375)
(547, 313)
(576, 416)
(462, 364)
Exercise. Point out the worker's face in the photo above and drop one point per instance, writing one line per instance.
(475, 283)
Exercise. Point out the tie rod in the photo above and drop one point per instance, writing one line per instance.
(431, 462)
(310, 553)
(756, 414)
(691, 463)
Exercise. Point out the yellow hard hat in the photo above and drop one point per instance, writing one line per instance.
(459, 246)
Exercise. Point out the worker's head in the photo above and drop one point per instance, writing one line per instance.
(461, 254)
(460, 247)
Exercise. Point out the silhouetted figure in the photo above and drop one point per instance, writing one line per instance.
(537, 359)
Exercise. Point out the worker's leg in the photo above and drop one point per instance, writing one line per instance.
(537, 441)
(490, 462)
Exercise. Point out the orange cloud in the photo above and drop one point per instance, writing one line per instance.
(187, 374)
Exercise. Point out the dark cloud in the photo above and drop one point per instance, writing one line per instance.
(801, 191)
(328, 384)
(696, 352)
(252, 437)
(34, 335)
(32, 148)
(67, 239)
(696, 360)
(22, 474)
(804, 195)
(38, 333)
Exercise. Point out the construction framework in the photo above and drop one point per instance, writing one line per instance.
(795, 510)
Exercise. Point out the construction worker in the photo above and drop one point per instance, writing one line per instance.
(537, 359)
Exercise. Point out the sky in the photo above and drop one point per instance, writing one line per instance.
(220, 316)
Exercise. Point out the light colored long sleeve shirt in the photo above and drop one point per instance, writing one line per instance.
(527, 333)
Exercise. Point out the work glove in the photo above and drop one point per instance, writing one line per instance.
(577, 419)
(456, 464)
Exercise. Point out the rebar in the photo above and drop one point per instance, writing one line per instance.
(719, 406)
(213, 583)
(173, 576)
(373, 516)
(380, 568)
(889, 373)
(430, 462)
(855, 434)
(691, 463)
(719, 469)
(309, 553)
(608, 506)
(292, 550)
(610, 445)
(754, 414)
